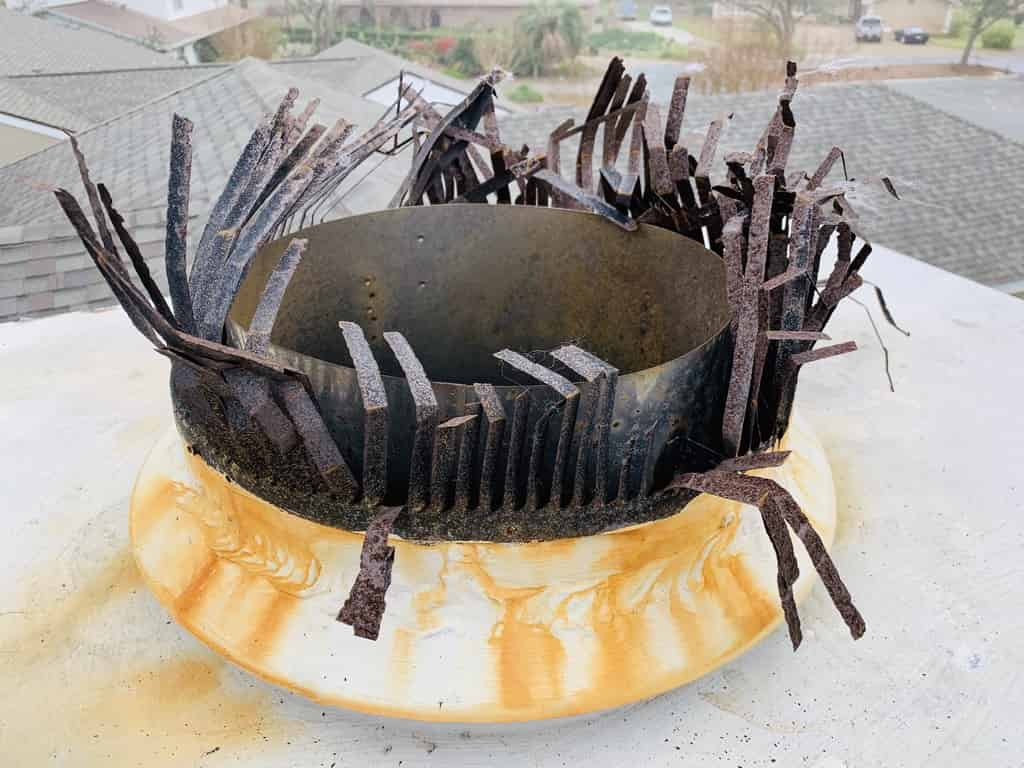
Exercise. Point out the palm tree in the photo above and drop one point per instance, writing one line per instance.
(547, 34)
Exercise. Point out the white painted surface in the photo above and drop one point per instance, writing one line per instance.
(435, 93)
(931, 528)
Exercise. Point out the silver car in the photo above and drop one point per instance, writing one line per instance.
(868, 29)
(661, 16)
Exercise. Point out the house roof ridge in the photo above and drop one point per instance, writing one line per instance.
(122, 115)
(75, 72)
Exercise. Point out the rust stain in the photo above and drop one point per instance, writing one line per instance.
(160, 712)
(531, 660)
(265, 634)
(577, 626)
(186, 602)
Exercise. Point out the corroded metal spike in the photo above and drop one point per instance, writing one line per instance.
(177, 221)
(258, 338)
(515, 449)
(253, 392)
(446, 443)
(494, 414)
(570, 394)
(604, 378)
(426, 419)
(533, 478)
(375, 409)
(467, 457)
(320, 446)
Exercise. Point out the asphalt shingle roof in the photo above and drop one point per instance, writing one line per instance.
(130, 153)
(77, 100)
(29, 45)
(959, 182)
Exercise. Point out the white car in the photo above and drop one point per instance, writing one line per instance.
(868, 29)
(661, 16)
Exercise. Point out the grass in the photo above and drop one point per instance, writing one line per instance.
(947, 41)
(636, 42)
(626, 40)
(703, 27)
(524, 94)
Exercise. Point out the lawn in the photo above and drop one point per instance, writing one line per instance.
(945, 41)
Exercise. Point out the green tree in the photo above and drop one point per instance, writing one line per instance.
(982, 14)
(547, 34)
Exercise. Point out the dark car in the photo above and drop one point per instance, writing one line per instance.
(911, 36)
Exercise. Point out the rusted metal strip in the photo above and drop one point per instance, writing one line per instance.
(570, 395)
(516, 438)
(494, 415)
(135, 254)
(660, 178)
(204, 261)
(364, 608)
(446, 444)
(743, 301)
(822, 353)
(774, 501)
(176, 242)
(467, 460)
(787, 386)
(258, 338)
(533, 478)
(320, 447)
(426, 407)
(253, 392)
(603, 97)
(149, 321)
(585, 199)
(636, 98)
(797, 336)
(93, 197)
(104, 262)
(755, 460)
(676, 108)
(596, 421)
(825, 168)
(296, 156)
(788, 569)
(608, 148)
(823, 564)
(214, 306)
(375, 411)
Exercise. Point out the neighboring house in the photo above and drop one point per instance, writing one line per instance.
(933, 16)
(172, 26)
(374, 74)
(428, 14)
(43, 267)
(31, 118)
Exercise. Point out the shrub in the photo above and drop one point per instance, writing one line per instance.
(548, 34)
(999, 35)
(524, 94)
(462, 58)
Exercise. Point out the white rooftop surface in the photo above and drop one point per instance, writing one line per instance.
(929, 483)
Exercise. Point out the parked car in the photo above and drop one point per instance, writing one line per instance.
(627, 10)
(868, 29)
(910, 36)
(661, 16)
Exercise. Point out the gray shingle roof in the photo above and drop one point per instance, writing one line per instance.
(957, 180)
(29, 45)
(130, 153)
(77, 100)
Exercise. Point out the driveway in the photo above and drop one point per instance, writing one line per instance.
(676, 34)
